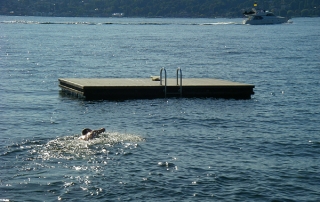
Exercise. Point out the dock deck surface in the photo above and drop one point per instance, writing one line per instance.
(139, 88)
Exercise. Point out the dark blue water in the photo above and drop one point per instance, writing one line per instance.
(263, 149)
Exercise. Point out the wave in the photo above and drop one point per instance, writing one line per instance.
(70, 147)
(113, 23)
(221, 23)
(50, 23)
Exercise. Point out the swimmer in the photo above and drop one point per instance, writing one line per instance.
(88, 134)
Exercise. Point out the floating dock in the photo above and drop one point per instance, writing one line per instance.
(150, 88)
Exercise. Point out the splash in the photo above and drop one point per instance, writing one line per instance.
(220, 23)
(70, 147)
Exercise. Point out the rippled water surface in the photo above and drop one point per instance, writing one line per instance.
(262, 149)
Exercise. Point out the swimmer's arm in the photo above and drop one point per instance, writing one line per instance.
(95, 133)
(83, 137)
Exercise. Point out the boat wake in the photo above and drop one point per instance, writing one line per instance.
(221, 23)
(112, 23)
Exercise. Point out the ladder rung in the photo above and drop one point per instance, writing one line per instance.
(165, 81)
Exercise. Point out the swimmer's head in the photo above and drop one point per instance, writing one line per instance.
(85, 131)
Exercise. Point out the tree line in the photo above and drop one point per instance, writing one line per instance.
(157, 8)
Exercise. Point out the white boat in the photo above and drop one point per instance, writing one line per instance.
(262, 17)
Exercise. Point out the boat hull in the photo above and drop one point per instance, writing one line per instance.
(266, 21)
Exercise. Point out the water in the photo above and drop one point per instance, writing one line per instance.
(263, 149)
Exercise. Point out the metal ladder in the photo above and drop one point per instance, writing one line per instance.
(165, 82)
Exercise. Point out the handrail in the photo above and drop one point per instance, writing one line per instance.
(165, 80)
(179, 71)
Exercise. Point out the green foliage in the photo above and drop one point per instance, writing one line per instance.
(290, 13)
(305, 13)
(154, 8)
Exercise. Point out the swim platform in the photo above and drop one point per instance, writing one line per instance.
(148, 88)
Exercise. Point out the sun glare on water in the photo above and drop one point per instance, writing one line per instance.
(70, 147)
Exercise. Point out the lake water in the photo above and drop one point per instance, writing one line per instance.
(263, 149)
